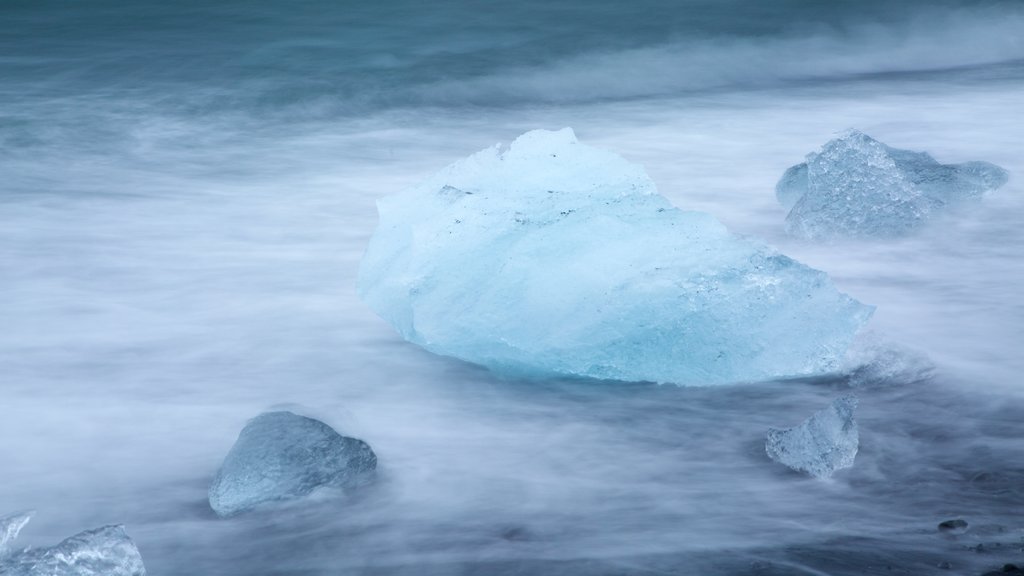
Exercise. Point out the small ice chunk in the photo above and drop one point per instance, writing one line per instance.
(106, 551)
(552, 258)
(824, 443)
(858, 187)
(10, 526)
(873, 361)
(793, 185)
(284, 456)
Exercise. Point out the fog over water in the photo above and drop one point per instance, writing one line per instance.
(186, 190)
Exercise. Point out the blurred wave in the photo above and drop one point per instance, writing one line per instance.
(316, 59)
(954, 41)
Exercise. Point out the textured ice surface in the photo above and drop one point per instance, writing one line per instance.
(872, 361)
(555, 258)
(10, 526)
(792, 186)
(858, 187)
(282, 456)
(824, 443)
(105, 551)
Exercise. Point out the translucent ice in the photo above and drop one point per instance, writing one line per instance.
(824, 443)
(283, 456)
(554, 258)
(105, 551)
(873, 361)
(10, 526)
(792, 186)
(858, 187)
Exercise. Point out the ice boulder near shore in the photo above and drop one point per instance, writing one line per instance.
(552, 258)
(283, 456)
(824, 443)
(106, 551)
(858, 187)
(10, 527)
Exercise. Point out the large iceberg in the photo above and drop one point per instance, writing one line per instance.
(858, 187)
(284, 456)
(555, 258)
(105, 551)
(825, 442)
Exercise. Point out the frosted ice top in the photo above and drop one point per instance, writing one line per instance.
(822, 444)
(554, 258)
(284, 456)
(858, 187)
(105, 551)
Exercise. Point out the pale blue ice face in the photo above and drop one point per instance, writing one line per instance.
(822, 444)
(858, 187)
(106, 551)
(554, 258)
(283, 456)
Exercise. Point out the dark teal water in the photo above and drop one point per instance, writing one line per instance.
(186, 189)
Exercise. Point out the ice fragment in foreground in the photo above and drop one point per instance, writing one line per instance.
(10, 526)
(858, 187)
(105, 551)
(555, 258)
(283, 456)
(824, 443)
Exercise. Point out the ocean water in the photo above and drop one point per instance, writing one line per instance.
(186, 190)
